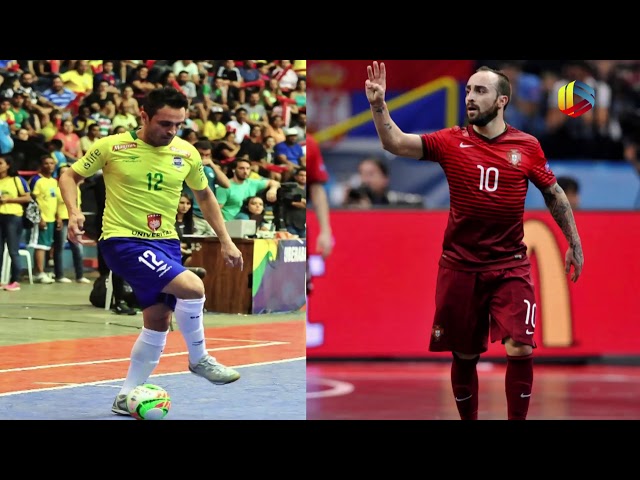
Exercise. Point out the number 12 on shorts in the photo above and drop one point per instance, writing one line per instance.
(159, 266)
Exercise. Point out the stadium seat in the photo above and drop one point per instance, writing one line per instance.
(5, 276)
(109, 294)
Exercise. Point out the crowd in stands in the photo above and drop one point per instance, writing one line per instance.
(243, 115)
(610, 131)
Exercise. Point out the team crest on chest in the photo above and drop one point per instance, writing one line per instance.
(178, 162)
(514, 157)
(154, 221)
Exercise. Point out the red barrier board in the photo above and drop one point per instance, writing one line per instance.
(376, 297)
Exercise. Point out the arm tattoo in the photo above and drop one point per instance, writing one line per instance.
(558, 204)
(379, 109)
(387, 126)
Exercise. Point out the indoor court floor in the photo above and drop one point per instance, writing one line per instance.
(63, 359)
(421, 390)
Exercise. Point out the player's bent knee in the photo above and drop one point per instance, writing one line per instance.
(466, 356)
(517, 349)
(187, 286)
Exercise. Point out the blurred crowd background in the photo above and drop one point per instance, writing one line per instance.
(373, 297)
(597, 153)
(60, 107)
(241, 112)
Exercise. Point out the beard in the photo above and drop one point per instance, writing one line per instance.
(483, 118)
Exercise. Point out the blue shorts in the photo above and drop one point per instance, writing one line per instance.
(147, 265)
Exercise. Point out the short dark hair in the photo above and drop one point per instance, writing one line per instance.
(378, 162)
(204, 144)
(569, 184)
(56, 143)
(504, 85)
(12, 171)
(162, 97)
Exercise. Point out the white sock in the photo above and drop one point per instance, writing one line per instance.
(189, 319)
(145, 356)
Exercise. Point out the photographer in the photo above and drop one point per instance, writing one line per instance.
(294, 204)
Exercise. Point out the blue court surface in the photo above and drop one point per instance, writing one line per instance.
(265, 391)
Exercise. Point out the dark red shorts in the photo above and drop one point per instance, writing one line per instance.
(471, 306)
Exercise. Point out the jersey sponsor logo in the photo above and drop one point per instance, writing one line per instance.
(90, 159)
(124, 146)
(465, 145)
(163, 233)
(180, 151)
(178, 162)
(514, 157)
(154, 221)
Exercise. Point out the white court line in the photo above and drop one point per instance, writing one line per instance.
(337, 389)
(102, 382)
(240, 340)
(115, 360)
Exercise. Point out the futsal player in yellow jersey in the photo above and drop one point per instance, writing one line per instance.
(144, 171)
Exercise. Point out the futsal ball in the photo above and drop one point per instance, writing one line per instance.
(148, 402)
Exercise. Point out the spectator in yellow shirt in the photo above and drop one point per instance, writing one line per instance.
(44, 189)
(60, 238)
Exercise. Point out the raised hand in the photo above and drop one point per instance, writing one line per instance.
(376, 84)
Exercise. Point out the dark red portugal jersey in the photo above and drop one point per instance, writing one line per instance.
(316, 171)
(488, 181)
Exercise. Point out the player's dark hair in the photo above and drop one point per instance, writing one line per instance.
(163, 97)
(503, 86)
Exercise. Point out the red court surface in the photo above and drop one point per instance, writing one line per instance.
(35, 366)
(422, 391)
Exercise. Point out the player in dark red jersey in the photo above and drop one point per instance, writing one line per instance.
(484, 288)
(316, 178)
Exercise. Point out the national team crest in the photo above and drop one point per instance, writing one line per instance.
(514, 157)
(154, 220)
(437, 332)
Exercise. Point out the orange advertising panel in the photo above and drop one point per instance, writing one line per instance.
(376, 296)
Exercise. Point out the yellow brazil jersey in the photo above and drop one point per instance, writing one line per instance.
(143, 183)
(62, 212)
(77, 83)
(44, 190)
(12, 187)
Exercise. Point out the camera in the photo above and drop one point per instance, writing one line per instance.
(286, 194)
